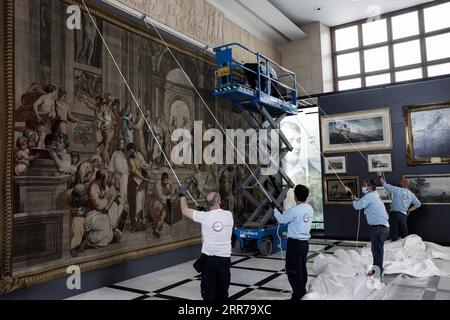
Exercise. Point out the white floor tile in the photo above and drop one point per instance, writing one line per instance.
(442, 265)
(265, 295)
(442, 295)
(162, 278)
(444, 283)
(248, 277)
(191, 291)
(412, 282)
(155, 299)
(106, 294)
(261, 263)
(282, 283)
(403, 293)
(316, 247)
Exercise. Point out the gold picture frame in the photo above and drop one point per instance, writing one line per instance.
(340, 196)
(8, 280)
(417, 147)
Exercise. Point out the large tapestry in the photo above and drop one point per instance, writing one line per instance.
(85, 182)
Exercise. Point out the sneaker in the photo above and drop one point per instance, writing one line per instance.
(371, 273)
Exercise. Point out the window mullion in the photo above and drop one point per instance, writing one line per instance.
(361, 56)
(391, 49)
(423, 46)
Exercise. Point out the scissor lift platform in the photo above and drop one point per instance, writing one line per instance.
(264, 101)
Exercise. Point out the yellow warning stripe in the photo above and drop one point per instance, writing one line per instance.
(235, 87)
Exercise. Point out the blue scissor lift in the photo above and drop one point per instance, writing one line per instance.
(264, 100)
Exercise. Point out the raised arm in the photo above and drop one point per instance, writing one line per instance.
(284, 218)
(382, 178)
(89, 105)
(185, 210)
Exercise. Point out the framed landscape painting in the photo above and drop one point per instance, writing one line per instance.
(431, 189)
(379, 162)
(427, 133)
(335, 192)
(357, 131)
(335, 165)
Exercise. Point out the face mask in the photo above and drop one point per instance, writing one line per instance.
(364, 190)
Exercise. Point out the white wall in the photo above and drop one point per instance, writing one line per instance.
(311, 59)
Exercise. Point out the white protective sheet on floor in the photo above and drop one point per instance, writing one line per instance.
(342, 276)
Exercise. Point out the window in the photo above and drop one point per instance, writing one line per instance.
(376, 59)
(438, 70)
(347, 38)
(438, 47)
(408, 75)
(375, 32)
(407, 53)
(350, 84)
(405, 25)
(346, 64)
(404, 45)
(436, 17)
(378, 79)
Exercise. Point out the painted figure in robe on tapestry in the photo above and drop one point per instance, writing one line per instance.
(23, 156)
(118, 166)
(167, 140)
(62, 114)
(159, 134)
(138, 127)
(105, 211)
(137, 187)
(105, 118)
(148, 137)
(95, 107)
(58, 144)
(75, 161)
(126, 120)
(117, 123)
(79, 201)
(159, 203)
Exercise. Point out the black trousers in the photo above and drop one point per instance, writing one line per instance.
(215, 278)
(398, 225)
(378, 235)
(296, 257)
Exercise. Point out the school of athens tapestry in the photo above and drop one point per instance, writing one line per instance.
(89, 184)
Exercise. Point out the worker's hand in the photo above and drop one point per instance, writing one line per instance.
(275, 206)
(183, 191)
(380, 175)
(199, 208)
(349, 192)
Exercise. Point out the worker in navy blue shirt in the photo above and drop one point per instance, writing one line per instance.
(377, 218)
(299, 221)
(403, 203)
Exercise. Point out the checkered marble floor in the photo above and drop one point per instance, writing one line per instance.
(255, 277)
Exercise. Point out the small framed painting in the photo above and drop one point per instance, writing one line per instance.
(335, 165)
(379, 162)
(335, 189)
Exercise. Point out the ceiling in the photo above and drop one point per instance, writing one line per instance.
(280, 21)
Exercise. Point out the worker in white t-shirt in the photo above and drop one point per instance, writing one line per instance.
(217, 228)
